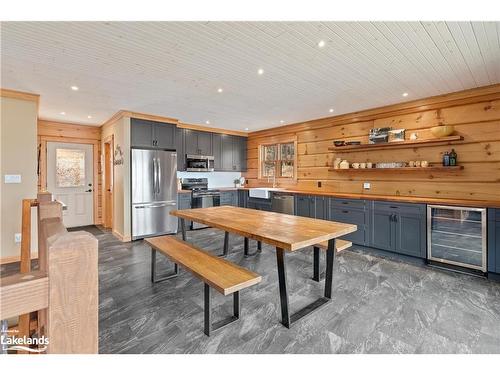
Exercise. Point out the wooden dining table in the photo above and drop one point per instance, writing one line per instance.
(287, 233)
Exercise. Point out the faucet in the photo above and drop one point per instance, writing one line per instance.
(274, 180)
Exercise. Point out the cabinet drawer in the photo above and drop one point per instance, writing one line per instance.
(408, 208)
(348, 216)
(350, 203)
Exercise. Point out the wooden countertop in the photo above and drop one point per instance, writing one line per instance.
(398, 198)
(288, 232)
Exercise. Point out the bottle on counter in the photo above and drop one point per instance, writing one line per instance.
(446, 159)
(453, 158)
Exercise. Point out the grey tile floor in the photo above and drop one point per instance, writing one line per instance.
(378, 306)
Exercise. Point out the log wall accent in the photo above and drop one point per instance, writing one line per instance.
(474, 113)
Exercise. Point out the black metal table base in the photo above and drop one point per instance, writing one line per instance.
(288, 319)
(246, 249)
(225, 250)
(154, 277)
(213, 327)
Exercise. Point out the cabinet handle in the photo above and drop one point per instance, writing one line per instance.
(345, 212)
(396, 207)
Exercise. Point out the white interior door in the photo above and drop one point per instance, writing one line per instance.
(70, 177)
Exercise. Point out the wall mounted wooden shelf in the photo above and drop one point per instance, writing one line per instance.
(397, 145)
(432, 168)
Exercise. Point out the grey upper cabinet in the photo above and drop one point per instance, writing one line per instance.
(399, 227)
(141, 133)
(152, 134)
(229, 152)
(179, 146)
(164, 136)
(197, 142)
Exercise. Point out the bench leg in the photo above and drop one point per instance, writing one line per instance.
(213, 327)
(246, 249)
(226, 245)
(154, 277)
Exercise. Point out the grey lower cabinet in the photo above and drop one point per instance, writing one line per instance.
(229, 198)
(494, 241)
(242, 198)
(152, 134)
(197, 142)
(315, 207)
(398, 227)
(229, 152)
(304, 205)
(259, 204)
(352, 211)
(184, 203)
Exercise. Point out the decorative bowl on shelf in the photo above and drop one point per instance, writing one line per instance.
(442, 131)
(338, 143)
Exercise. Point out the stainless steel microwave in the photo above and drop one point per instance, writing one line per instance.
(199, 163)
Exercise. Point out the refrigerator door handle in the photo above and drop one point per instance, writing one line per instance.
(159, 175)
(154, 176)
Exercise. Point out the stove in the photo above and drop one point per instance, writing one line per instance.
(201, 196)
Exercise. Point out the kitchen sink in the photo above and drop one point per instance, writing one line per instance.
(263, 193)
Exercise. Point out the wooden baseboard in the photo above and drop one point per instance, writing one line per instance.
(121, 237)
(16, 258)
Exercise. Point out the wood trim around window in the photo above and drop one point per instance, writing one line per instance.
(273, 141)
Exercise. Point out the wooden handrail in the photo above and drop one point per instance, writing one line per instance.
(64, 289)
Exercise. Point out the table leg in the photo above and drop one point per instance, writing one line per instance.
(316, 272)
(286, 319)
(183, 229)
(330, 258)
(226, 245)
(280, 258)
(246, 249)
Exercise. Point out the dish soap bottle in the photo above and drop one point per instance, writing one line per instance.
(446, 159)
(453, 158)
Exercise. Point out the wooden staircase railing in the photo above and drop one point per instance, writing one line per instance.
(63, 290)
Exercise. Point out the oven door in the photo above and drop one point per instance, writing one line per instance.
(202, 201)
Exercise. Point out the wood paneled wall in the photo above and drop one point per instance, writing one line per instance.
(67, 132)
(474, 113)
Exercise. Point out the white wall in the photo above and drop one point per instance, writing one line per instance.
(215, 179)
(18, 150)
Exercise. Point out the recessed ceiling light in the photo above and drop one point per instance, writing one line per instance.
(219, 90)
(321, 43)
(74, 88)
(207, 122)
(62, 113)
(405, 94)
(89, 116)
(246, 129)
(281, 121)
(260, 71)
(330, 110)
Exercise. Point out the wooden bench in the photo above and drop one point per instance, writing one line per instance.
(225, 277)
(339, 245)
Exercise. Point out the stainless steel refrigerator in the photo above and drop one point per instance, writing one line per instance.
(154, 192)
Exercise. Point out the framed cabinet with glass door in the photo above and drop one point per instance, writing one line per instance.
(278, 161)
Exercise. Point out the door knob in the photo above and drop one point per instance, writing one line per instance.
(88, 191)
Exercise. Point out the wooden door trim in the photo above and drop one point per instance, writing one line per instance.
(108, 140)
(95, 178)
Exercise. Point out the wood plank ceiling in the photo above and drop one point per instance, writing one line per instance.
(175, 68)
